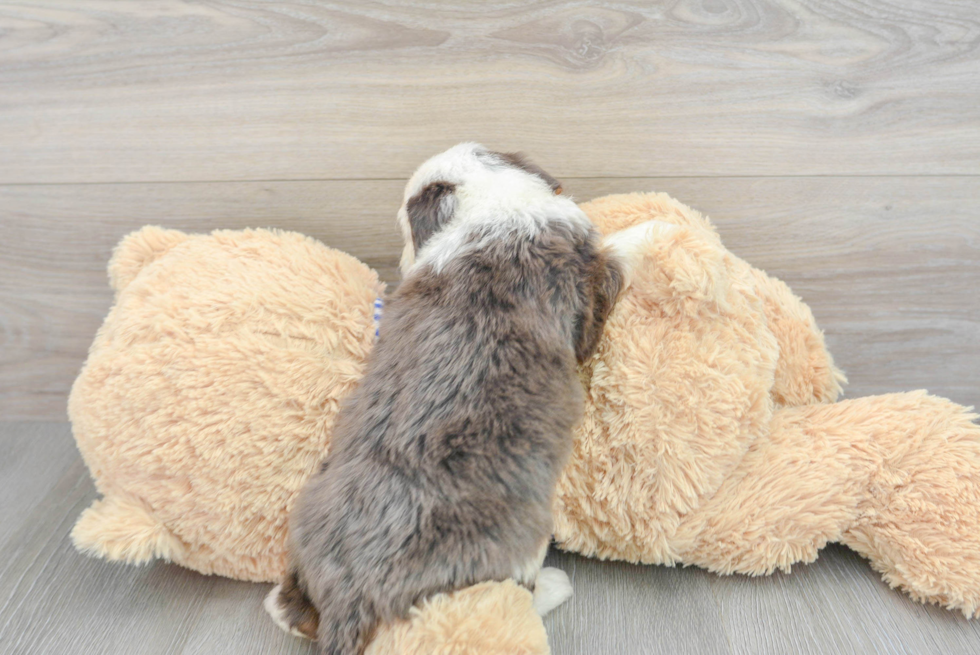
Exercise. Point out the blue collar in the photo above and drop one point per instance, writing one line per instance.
(378, 307)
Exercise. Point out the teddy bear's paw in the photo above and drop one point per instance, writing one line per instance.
(551, 589)
(632, 244)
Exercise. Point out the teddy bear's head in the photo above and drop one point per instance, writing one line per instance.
(210, 391)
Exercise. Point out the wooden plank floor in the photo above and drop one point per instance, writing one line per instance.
(54, 600)
(836, 144)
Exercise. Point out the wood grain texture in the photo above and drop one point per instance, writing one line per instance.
(835, 143)
(622, 608)
(186, 91)
(54, 600)
(33, 457)
(836, 606)
(889, 265)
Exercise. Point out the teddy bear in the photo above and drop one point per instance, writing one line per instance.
(711, 435)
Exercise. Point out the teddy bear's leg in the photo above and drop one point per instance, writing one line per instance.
(920, 521)
(795, 490)
(488, 618)
(895, 477)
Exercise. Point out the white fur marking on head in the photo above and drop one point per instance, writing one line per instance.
(493, 199)
(275, 610)
(551, 589)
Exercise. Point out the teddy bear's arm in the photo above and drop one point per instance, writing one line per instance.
(805, 371)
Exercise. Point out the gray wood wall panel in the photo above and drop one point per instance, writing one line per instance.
(107, 92)
(890, 265)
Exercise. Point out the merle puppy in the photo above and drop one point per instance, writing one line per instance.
(445, 459)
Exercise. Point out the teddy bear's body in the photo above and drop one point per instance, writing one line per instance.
(710, 435)
(697, 359)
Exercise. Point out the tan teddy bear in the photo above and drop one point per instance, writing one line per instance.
(711, 438)
(210, 390)
(710, 435)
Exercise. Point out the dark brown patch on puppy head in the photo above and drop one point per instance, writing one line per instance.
(519, 160)
(429, 211)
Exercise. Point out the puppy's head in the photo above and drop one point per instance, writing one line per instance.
(457, 180)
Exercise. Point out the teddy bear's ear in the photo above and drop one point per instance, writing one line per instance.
(138, 249)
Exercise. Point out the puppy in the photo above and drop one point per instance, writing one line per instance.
(445, 459)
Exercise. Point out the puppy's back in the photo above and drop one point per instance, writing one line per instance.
(446, 457)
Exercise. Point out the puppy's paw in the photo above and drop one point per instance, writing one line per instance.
(631, 244)
(551, 589)
(278, 614)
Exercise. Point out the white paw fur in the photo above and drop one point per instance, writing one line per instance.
(272, 606)
(551, 589)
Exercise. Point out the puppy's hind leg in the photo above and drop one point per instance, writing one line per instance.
(347, 625)
(291, 608)
(549, 586)
(551, 589)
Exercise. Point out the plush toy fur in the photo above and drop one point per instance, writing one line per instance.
(210, 390)
(710, 435)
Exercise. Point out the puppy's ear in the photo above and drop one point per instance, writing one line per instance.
(604, 281)
(430, 210)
